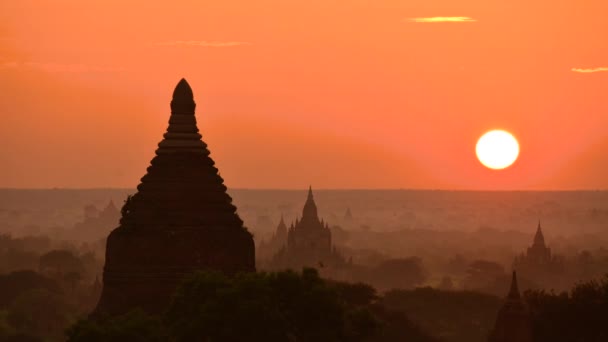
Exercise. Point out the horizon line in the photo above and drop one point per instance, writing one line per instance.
(314, 189)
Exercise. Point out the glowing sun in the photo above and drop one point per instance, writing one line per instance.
(497, 149)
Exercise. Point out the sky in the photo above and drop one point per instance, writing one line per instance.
(337, 94)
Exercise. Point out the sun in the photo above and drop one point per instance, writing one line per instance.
(497, 149)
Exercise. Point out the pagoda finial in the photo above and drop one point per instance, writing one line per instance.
(514, 291)
(183, 99)
(310, 197)
(183, 90)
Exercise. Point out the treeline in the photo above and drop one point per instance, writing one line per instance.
(282, 306)
(44, 290)
(578, 315)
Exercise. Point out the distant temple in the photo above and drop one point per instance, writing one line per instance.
(110, 213)
(513, 323)
(538, 263)
(181, 220)
(278, 240)
(539, 253)
(348, 216)
(96, 224)
(308, 242)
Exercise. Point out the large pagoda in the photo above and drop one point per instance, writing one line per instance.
(180, 221)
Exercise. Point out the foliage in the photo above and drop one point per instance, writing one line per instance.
(581, 315)
(396, 326)
(272, 307)
(15, 283)
(125, 211)
(283, 306)
(59, 263)
(134, 326)
(450, 315)
(40, 313)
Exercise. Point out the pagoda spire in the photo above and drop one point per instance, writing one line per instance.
(514, 291)
(310, 208)
(182, 134)
(539, 238)
(183, 99)
(281, 228)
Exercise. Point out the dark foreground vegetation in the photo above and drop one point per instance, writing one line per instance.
(289, 306)
(580, 315)
(283, 306)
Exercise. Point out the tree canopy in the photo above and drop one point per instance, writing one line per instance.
(282, 306)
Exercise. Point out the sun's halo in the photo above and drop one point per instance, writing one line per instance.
(497, 149)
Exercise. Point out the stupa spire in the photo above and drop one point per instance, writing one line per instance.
(183, 99)
(539, 238)
(310, 208)
(514, 291)
(282, 227)
(182, 134)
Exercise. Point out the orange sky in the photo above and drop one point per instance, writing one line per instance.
(338, 94)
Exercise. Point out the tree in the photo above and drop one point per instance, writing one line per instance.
(271, 307)
(15, 283)
(284, 306)
(40, 313)
(581, 315)
(453, 316)
(134, 326)
(58, 263)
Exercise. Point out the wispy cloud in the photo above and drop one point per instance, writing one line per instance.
(204, 43)
(442, 20)
(61, 68)
(590, 70)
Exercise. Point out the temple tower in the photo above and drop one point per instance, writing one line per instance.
(539, 252)
(181, 220)
(513, 323)
(280, 236)
(308, 242)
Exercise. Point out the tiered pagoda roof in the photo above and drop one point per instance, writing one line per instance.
(180, 220)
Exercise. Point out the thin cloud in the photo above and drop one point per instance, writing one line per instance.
(204, 43)
(442, 20)
(590, 70)
(60, 68)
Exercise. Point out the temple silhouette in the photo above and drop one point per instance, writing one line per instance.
(308, 242)
(268, 248)
(513, 323)
(539, 253)
(181, 220)
(538, 264)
